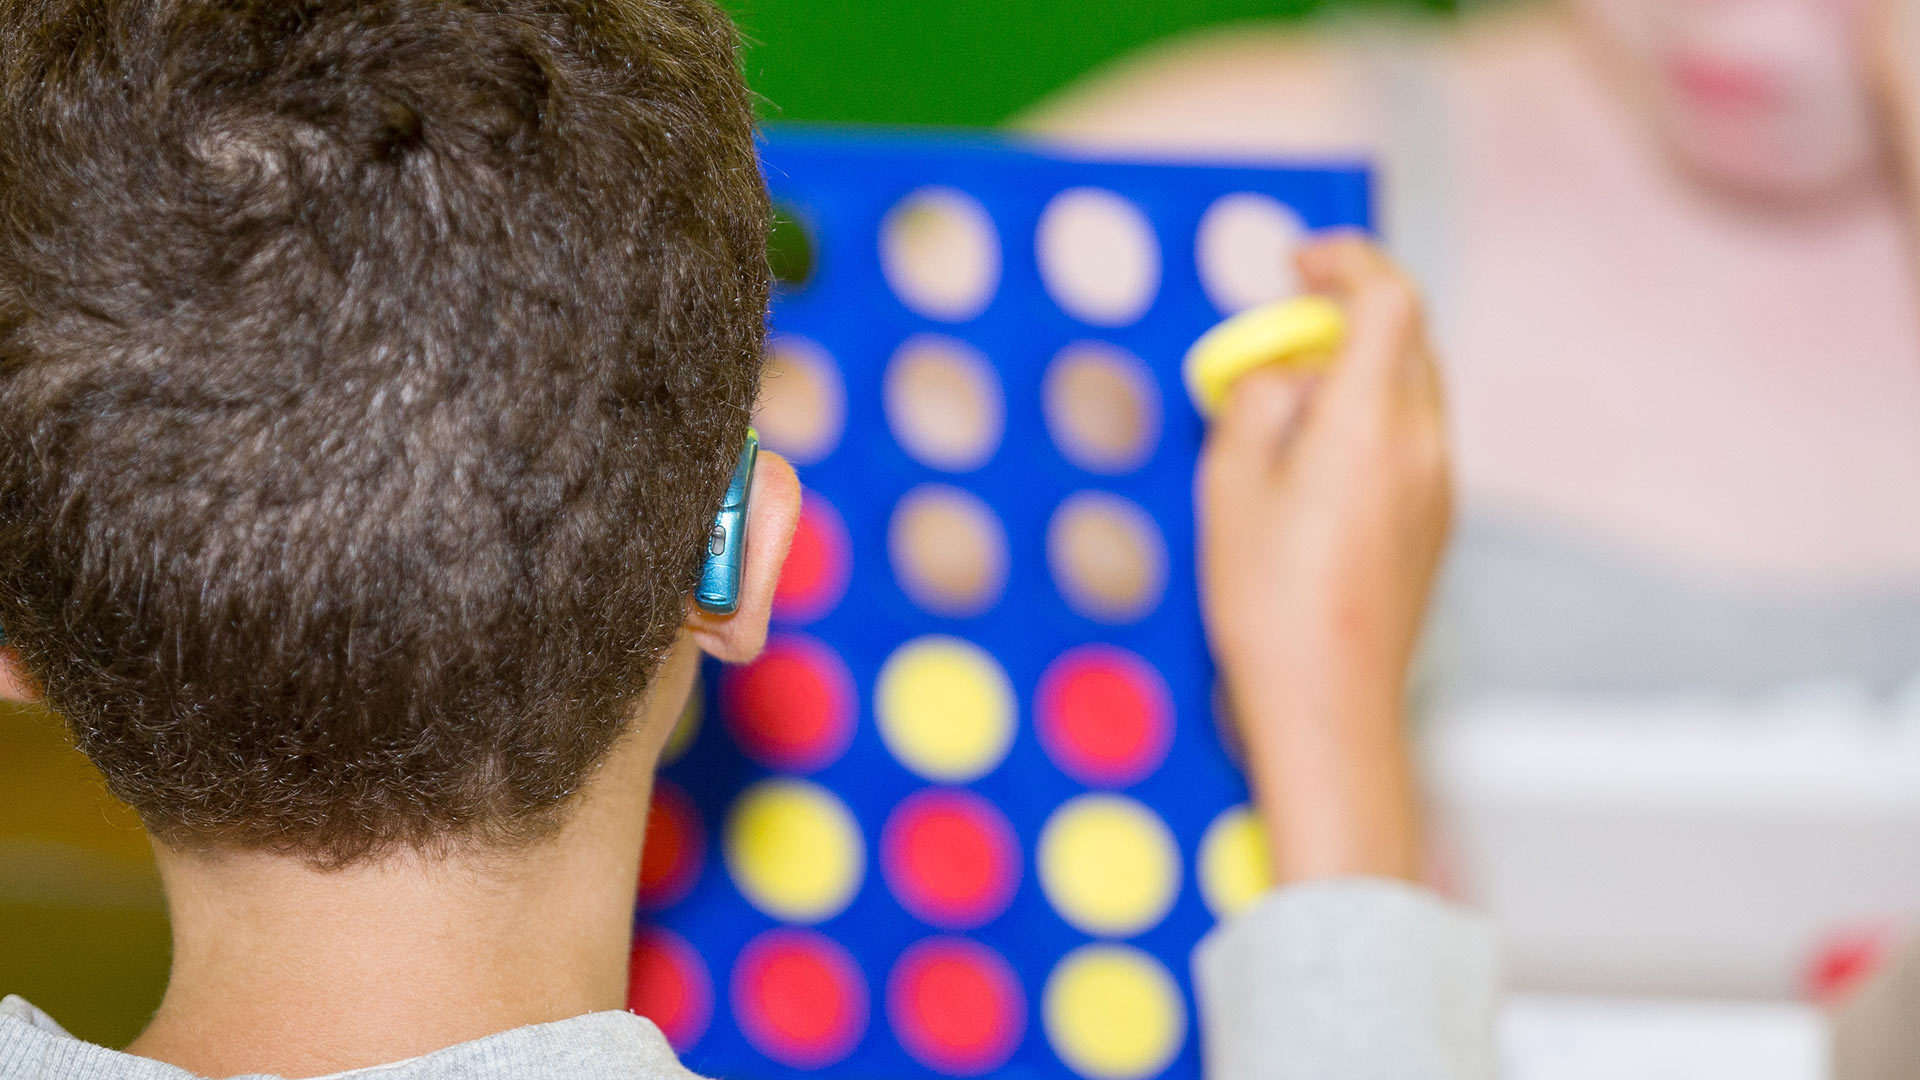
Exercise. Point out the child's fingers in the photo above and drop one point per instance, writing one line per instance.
(1254, 422)
(1335, 258)
(1382, 304)
(1341, 262)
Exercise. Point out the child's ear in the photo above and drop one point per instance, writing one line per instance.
(15, 683)
(773, 510)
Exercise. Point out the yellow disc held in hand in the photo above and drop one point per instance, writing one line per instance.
(1302, 333)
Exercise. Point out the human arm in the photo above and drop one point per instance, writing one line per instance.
(1324, 506)
(1323, 513)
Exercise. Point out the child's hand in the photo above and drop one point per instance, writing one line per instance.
(1324, 505)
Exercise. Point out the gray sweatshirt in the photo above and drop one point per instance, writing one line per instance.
(1335, 980)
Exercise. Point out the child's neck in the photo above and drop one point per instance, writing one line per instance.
(282, 969)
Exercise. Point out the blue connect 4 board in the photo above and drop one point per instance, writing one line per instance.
(971, 812)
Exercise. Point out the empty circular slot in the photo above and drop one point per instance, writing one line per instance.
(790, 253)
(949, 551)
(1107, 557)
(1102, 407)
(1098, 256)
(1245, 250)
(943, 402)
(803, 406)
(940, 253)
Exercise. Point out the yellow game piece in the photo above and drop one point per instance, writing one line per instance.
(945, 709)
(1113, 1013)
(1109, 865)
(1302, 333)
(1233, 863)
(794, 850)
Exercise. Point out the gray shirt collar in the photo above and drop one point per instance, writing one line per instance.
(597, 1046)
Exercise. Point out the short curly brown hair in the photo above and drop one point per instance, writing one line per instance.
(369, 372)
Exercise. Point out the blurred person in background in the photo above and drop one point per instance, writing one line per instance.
(1669, 250)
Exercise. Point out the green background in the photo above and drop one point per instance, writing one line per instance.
(963, 62)
(84, 932)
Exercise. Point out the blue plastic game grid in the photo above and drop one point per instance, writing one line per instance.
(841, 185)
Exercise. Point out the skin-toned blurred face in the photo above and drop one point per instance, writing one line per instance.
(1768, 97)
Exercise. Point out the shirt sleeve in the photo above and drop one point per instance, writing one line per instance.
(1349, 979)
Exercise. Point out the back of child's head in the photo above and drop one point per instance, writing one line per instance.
(369, 373)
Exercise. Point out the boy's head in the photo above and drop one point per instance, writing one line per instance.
(370, 371)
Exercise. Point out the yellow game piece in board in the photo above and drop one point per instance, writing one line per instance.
(1302, 333)
(1108, 865)
(794, 850)
(945, 709)
(1113, 1013)
(1233, 868)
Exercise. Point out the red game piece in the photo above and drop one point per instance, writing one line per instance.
(792, 709)
(1104, 716)
(956, 1006)
(667, 983)
(819, 563)
(950, 857)
(799, 998)
(675, 845)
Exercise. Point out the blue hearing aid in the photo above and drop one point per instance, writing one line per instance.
(719, 591)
